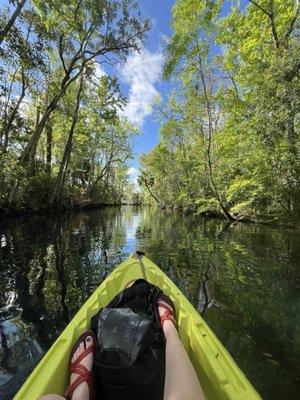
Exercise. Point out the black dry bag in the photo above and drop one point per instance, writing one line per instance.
(129, 360)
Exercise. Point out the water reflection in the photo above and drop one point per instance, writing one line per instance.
(242, 278)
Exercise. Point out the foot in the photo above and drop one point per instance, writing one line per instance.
(167, 313)
(82, 390)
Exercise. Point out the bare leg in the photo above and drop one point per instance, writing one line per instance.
(181, 381)
(82, 391)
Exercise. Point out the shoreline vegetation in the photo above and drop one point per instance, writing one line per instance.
(229, 137)
(64, 137)
(10, 214)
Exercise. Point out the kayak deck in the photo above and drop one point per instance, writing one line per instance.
(219, 375)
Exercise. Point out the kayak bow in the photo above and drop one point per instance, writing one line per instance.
(218, 373)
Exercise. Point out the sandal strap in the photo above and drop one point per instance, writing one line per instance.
(167, 316)
(165, 306)
(84, 375)
(81, 356)
(79, 369)
(80, 379)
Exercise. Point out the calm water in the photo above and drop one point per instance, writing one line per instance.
(244, 279)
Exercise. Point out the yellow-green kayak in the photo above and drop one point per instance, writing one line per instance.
(219, 375)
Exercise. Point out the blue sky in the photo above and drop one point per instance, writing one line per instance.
(140, 78)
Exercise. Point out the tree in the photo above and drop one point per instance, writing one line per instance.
(189, 52)
(267, 74)
(230, 130)
(62, 140)
(60, 179)
(102, 31)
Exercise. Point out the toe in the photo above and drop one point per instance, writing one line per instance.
(89, 341)
(78, 351)
(81, 347)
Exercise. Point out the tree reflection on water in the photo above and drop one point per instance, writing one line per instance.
(242, 278)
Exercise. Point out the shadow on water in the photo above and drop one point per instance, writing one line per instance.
(243, 279)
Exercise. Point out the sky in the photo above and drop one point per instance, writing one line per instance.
(140, 79)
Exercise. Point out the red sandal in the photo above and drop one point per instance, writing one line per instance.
(84, 375)
(170, 314)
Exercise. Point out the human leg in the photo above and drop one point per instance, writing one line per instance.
(181, 381)
(81, 366)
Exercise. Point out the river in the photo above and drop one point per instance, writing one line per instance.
(242, 278)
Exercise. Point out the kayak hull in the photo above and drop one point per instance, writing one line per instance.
(219, 375)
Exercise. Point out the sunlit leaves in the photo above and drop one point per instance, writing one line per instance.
(252, 90)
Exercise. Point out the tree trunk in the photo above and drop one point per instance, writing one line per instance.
(49, 147)
(208, 106)
(8, 121)
(11, 21)
(90, 177)
(28, 154)
(293, 201)
(68, 149)
(150, 192)
(30, 150)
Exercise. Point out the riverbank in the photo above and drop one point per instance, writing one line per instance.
(291, 223)
(11, 214)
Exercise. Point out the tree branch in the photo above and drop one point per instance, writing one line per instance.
(291, 27)
(144, 180)
(77, 9)
(270, 14)
(234, 84)
(260, 7)
(60, 51)
(11, 21)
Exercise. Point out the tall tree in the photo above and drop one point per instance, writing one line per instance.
(102, 32)
(234, 110)
(61, 138)
(188, 51)
(60, 179)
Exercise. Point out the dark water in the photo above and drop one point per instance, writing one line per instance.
(244, 280)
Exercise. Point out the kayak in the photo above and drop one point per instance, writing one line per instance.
(219, 375)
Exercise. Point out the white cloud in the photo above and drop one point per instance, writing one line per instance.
(99, 71)
(133, 174)
(141, 71)
(24, 108)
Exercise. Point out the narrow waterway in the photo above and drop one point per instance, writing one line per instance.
(244, 279)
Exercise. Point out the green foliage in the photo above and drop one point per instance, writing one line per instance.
(205, 205)
(10, 171)
(18, 190)
(230, 129)
(62, 139)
